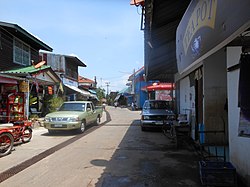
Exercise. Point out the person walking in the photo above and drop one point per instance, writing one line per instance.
(133, 106)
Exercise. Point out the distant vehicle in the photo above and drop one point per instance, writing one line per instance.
(73, 115)
(155, 113)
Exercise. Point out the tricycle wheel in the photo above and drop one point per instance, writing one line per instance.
(6, 143)
(27, 135)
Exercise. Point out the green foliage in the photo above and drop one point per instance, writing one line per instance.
(32, 100)
(33, 116)
(100, 93)
(54, 103)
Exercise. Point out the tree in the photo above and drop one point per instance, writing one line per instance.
(100, 93)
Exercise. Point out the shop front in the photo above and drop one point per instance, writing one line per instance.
(42, 84)
(13, 99)
(162, 91)
(210, 40)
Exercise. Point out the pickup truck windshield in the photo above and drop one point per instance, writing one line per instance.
(72, 107)
(159, 105)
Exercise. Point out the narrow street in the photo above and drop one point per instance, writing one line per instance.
(117, 154)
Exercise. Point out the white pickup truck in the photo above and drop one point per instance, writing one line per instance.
(155, 114)
(73, 115)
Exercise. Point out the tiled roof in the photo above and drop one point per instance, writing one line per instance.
(84, 80)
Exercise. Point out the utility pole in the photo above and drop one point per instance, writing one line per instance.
(107, 84)
(95, 82)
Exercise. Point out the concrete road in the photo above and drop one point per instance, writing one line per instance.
(118, 154)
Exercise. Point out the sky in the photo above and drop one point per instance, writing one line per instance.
(104, 34)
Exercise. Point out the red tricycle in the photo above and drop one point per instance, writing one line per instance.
(14, 132)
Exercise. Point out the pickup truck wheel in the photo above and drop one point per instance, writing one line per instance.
(82, 127)
(98, 120)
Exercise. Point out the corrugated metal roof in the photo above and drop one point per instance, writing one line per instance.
(12, 77)
(161, 20)
(74, 59)
(28, 69)
(48, 78)
(125, 90)
(22, 34)
(83, 92)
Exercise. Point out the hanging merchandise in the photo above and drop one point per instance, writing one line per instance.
(244, 92)
(50, 90)
(37, 87)
(12, 107)
(24, 86)
(10, 88)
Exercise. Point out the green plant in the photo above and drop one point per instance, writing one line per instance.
(100, 93)
(55, 103)
(32, 100)
(33, 116)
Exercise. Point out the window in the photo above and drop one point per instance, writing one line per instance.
(89, 106)
(21, 53)
(72, 107)
(92, 106)
(159, 105)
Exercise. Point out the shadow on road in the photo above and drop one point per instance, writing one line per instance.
(148, 159)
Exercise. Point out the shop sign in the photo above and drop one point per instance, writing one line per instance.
(206, 27)
(24, 86)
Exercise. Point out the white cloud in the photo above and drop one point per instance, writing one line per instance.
(118, 85)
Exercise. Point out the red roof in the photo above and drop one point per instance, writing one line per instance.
(160, 86)
(137, 2)
(84, 80)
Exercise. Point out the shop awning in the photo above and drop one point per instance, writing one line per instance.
(161, 86)
(94, 97)
(137, 2)
(92, 91)
(117, 97)
(42, 74)
(161, 21)
(6, 80)
(83, 92)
